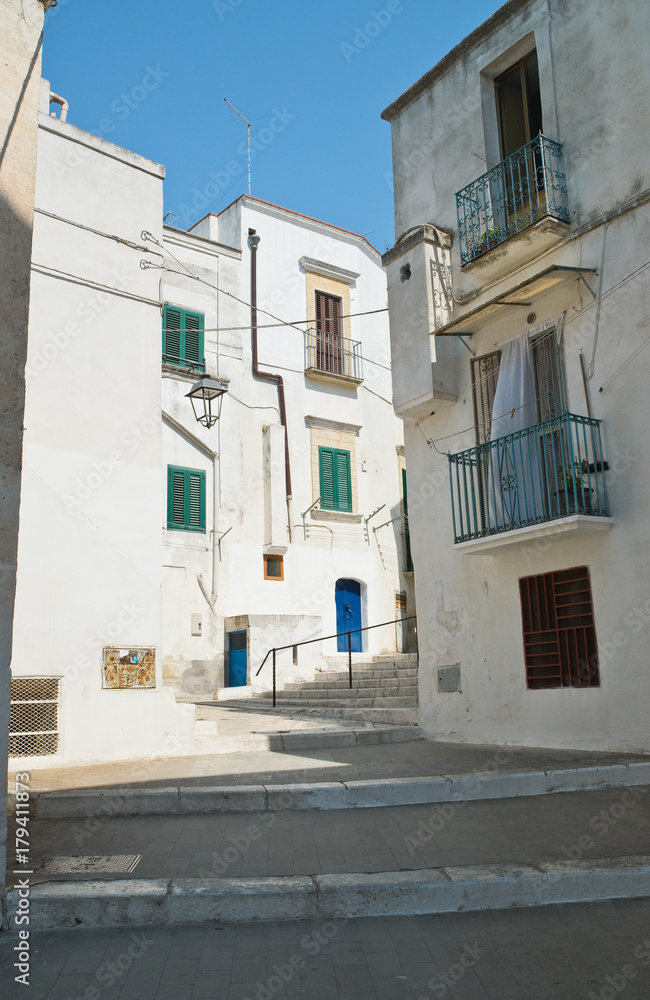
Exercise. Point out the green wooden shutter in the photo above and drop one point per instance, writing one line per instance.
(196, 500)
(343, 481)
(326, 465)
(193, 338)
(335, 479)
(408, 561)
(175, 497)
(172, 332)
(185, 499)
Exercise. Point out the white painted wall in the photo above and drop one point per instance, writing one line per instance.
(89, 559)
(21, 25)
(330, 550)
(468, 605)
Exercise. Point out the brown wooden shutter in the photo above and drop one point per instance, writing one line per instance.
(329, 348)
(560, 646)
(485, 374)
(548, 381)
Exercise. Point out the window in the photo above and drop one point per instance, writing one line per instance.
(519, 105)
(513, 389)
(273, 568)
(34, 716)
(335, 479)
(408, 559)
(183, 339)
(560, 647)
(329, 336)
(185, 499)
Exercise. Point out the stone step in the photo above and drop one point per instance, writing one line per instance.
(342, 699)
(303, 694)
(165, 902)
(396, 658)
(365, 793)
(361, 684)
(358, 732)
(402, 715)
(373, 672)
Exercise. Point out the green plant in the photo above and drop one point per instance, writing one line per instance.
(572, 476)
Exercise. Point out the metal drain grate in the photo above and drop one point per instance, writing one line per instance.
(34, 716)
(80, 864)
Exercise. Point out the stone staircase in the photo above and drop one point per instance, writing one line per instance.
(384, 690)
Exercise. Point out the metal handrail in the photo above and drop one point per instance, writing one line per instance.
(324, 638)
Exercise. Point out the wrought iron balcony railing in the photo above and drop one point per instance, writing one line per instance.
(526, 187)
(329, 354)
(539, 474)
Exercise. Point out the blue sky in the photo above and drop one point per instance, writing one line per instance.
(312, 75)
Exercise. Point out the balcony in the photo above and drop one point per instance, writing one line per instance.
(183, 364)
(552, 471)
(526, 188)
(334, 358)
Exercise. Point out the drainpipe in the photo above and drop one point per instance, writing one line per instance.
(253, 240)
(55, 99)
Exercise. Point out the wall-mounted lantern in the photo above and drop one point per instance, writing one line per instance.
(207, 397)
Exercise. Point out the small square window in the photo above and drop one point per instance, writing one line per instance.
(273, 567)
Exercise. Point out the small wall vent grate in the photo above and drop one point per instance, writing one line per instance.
(34, 716)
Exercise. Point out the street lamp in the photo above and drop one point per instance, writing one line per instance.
(203, 394)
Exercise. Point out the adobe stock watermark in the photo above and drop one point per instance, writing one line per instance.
(443, 982)
(104, 468)
(615, 984)
(221, 181)
(109, 973)
(602, 822)
(377, 21)
(86, 312)
(284, 973)
(122, 107)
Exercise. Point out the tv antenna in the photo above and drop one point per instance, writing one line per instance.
(249, 139)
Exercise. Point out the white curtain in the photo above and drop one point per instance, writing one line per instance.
(512, 468)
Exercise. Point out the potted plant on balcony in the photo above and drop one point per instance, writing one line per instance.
(572, 491)
(479, 245)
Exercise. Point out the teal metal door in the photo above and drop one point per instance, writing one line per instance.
(237, 659)
(348, 614)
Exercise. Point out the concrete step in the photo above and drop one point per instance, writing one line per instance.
(399, 659)
(342, 699)
(372, 676)
(363, 733)
(399, 716)
(370, 684)
(308, 693)
(366, 793)
(165, 902)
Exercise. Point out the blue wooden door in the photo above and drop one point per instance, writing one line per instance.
(348, 614)
(238, 658)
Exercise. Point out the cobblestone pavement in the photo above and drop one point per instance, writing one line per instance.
(398, 760)
(574, 952)
(595, 824)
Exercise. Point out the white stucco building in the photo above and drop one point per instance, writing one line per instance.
(159, 559)
(89, 548)
(292, 525)
(518, 295)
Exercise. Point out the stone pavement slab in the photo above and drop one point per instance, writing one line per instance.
(567, 825)
(574, 952)
(416, 758)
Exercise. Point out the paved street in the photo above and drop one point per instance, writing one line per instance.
(573, 952)
(410, 759)
(606, 823)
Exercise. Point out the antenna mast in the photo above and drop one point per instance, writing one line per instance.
(249, 139)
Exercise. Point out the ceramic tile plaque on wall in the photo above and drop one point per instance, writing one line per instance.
(128, 668)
